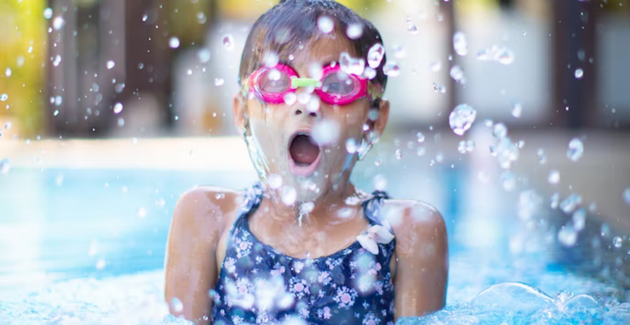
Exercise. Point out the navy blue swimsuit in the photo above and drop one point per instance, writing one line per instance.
(260, 285)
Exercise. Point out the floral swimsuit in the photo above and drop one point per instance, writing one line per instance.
(260, 285)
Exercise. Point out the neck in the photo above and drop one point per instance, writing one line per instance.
(324, 210)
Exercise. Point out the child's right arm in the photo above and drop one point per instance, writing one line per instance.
(199, 221)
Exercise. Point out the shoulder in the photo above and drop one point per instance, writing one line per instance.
(206, 211)
(415, 225)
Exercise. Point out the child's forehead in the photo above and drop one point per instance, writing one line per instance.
(322, 50)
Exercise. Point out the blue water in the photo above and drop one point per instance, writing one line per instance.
(87, 247)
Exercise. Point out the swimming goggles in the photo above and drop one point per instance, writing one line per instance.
(335, 87)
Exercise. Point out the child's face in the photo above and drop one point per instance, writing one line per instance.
(304, 146)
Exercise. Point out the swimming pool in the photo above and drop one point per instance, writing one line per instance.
(86, 246)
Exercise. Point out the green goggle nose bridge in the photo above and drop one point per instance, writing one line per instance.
(305, 82)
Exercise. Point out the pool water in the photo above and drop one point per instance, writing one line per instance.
(87, 247)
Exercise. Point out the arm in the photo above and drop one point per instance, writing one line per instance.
(422, 260)
(191, 266)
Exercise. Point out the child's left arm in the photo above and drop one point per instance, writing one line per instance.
(422, 259)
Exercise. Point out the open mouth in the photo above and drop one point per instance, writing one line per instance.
(304, 154)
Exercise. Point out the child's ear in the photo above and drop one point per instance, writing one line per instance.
(239, 112)
(383, 114)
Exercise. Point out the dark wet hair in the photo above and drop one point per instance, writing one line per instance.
(293, 23)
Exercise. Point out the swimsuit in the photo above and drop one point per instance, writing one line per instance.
(259, 285)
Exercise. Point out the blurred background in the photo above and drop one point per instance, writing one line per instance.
(110, 109)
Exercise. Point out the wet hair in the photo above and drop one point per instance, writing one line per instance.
(293, 23)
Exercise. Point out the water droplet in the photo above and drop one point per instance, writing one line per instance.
(412, 28)
(380, 182)
(121, 121)
(275, 181)
(141, 212)
(576, 149)
(4, 97)
(288, 195)
(160, 203)
(391, 69)
(554, 177)
(457, 73)
(290, 98)
(315, 70)
(460, 44)
(7, 72)
(351, 146)
(100, 264)
(204, 55)
(325, 24)
(118, 107)
(435, 66)
(461, 147)
(617, 241)
(354, 31)
(470, 146)
(145, 17)
(375, 55)
(501, 54)
(421, 151)
(377, 161)
(569, 204)
(517, 109)
(173, 42)
(626, 195)
(369, 73)
(325, 132)
(420, 137)
(506, 56)
(110, 64)
(48, 13)
(350, 65)
(567, 236)
(201, 18)
(579, 73)
(177, 305)
(555, 201)
(58, 23)
(218, 82)
(58, 100)
(228, 42)
(398, 154)
(579, 219)
(499, 130)
(56, 112)
(57, 60)
(270, 59)
(5, 166)
(462, 118)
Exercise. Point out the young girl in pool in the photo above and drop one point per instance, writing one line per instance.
(304, 246)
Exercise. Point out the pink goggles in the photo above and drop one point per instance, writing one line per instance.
(336, 87)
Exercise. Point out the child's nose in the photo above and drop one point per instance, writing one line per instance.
(303, 110)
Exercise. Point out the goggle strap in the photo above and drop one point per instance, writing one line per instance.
(305, 82)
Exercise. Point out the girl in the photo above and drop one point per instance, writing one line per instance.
(304, 246)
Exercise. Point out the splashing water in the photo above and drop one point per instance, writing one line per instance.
(391, 69)
(579, 219)
(173, 42)
(499, 130)
(7, 72)
(617, 242)
(576, 149)
(569, 204)
(354, 31)
(110, 64)
(579, 73)
(435, 66)
(350, 65)
(325, 24)
(270, 59)
(5, 166)
(326, 132)
(502, 55)
(58, 23)
(567, 236)
(288, 195)
(204, 55)
(219, 82)
(228, 42)
(4, 97)
(48, 13)
(517, 110)
(351, 146)
(461, 118)
(118, 108)
(554, 177)
(626, 195)
(460, 44)
(457, 73)
(375, 55)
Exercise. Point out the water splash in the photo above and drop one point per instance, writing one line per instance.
(517, 110)
(461, 118)
(118, 108)
(375, 55)
(579, 73)
(228, 42)
(173, 42)
(576, 149)
(626, 195)
(110, 64)
(553, 177)
(325, 24)
(457, 73)
(391, 69)
(351, 65)
(48, 13)
(460, 44)
(5, 166)
(354, 31)
(58, 22)
(502, 55)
